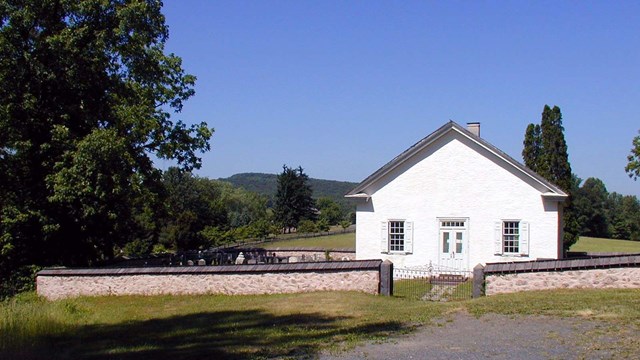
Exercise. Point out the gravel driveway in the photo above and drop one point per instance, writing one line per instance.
(492, 336)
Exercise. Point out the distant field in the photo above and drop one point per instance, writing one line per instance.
(339, 241)
(590, 244)
(348, 240)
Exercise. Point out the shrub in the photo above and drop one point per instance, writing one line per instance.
(307, 226)
(23, 279)
(323, 225)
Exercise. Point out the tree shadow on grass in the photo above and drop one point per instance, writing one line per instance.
(212, 335)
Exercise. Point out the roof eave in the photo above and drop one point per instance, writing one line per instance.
(555, 196)
(554, 191)
(358, 196)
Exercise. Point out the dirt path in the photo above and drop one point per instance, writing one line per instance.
(491, 337)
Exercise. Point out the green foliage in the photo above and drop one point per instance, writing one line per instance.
(344, 224)
(214, 236)
(545, 152)
(204, 212)
(590, 206)
(159, 249)
(532, 146)
(87, 97)
(604, 215)
(137, 247)
(323, 225)
(20, 280)
(294, 201)
(553, 163)
(633, 167)
(623, 214)
(307, 227)
(327, 255)
(330, 211)
(261, 229)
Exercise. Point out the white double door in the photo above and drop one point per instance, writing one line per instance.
(453, 245)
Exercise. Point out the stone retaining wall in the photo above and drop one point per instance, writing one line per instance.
(363, 276)
(604, 272)
(620, 278)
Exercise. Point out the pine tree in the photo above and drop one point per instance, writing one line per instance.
(545, 152)
(294, 200)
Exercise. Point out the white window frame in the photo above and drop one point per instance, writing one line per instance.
(511, 237)
(505, 234)
(400, 246)
(404, 248)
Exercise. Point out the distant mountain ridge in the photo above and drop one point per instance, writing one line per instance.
(267, 184)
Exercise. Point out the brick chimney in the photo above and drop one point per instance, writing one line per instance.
(474, 128)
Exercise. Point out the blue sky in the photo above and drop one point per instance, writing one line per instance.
(342, 87)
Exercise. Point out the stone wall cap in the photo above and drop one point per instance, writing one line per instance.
(176, 270)
(630, 260)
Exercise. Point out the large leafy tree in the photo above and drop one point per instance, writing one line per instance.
(294, 201)
(545, 151)
(199, 205)
(87, 97)
(633, 167)
(624, 216)
(590, 203)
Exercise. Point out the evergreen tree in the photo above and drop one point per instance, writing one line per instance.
(532, 147)
(545, 151)
(294, 200)
(553, 164)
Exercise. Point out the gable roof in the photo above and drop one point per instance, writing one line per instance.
(553, 192)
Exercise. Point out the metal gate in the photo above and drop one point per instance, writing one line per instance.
(432, 284)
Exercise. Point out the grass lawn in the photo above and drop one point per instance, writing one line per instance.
(258, 327)
(348, 240)
(590, 244)
(339, 241)
(214, 327)
(420, 289)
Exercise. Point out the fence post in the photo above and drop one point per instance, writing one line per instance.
(478, 281)
(386, 278)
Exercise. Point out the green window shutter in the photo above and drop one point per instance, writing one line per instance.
(408, 237)
(497, 241)
(524, 238)
(384, 234)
